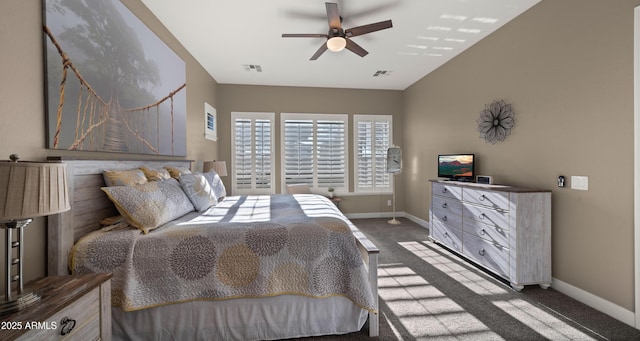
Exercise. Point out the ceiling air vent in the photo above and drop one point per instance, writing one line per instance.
(253, 67)
(380, 73)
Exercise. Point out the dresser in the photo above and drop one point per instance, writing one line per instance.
(71, 308)
(504, 229)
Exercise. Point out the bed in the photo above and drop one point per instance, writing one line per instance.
(198, 304)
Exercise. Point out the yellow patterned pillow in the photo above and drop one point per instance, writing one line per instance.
(150, 205)
(176, 171)
(124, 177)
(155, 174)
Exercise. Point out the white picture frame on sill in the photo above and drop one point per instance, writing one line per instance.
(210, 122)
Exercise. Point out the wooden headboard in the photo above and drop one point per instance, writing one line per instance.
(89, 205)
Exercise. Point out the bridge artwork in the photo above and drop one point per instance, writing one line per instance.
(112, 85)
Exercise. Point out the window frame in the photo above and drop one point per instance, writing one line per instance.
(315, 117)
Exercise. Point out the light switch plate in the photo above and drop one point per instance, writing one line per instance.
(580, 182)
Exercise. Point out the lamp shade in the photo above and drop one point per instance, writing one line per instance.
(219, 166)
(32, 189)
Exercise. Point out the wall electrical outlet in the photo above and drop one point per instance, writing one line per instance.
(580, 182)
(388, 202)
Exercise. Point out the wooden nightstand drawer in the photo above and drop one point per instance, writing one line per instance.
(78, 321)
(71, 308)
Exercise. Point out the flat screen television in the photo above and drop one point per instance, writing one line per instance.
(458, 167)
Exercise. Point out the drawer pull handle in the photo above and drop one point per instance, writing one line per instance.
(483, 232)
(482, 216)
(444, 205)
(444, 190)
(482, 197)
(481, 252)
(444, 218)
(67, 324)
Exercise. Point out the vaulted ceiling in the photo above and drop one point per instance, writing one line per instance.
(240, 41)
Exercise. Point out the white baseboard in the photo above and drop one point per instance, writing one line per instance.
(413, 218)
(596, 302)
(417, 220)
(374, 215)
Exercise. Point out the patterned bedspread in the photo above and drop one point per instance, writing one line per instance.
(246, 246)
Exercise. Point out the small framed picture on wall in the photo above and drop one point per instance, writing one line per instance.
(210, 123)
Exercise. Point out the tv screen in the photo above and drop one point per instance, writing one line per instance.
(456, 166)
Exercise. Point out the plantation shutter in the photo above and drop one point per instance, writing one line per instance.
(373, 138)
(263, 154)
(243, 154)
(331, 154)
(298, 142)
(252, 170)
(314, 150)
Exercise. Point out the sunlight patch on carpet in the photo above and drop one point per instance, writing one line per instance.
(546, 324)
(423, 310)
(541, 321)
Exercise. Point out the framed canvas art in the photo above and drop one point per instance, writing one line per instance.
(210, 122)
(111, 84)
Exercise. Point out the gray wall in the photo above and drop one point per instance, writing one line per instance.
(276, 99)
(567, 69)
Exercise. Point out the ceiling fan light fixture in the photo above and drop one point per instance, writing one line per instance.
(336, 44)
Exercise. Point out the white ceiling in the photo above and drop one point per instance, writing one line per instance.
(227, 36)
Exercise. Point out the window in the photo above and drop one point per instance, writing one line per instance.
(252, 153)
(314, 149)
(372, 138)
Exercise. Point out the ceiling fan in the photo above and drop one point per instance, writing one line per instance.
(339, 38)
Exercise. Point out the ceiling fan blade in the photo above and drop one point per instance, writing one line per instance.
(303, 35)
(333, 15)
(320, 51)
(355, 48)
(364, 29)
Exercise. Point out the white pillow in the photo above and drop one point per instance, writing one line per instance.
(216, 183)
(197, 188)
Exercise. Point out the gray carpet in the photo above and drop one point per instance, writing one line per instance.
(427, 292)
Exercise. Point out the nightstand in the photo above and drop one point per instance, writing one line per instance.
(71, 308)
(336, 201)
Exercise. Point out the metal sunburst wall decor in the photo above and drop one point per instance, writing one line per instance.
(496, 121)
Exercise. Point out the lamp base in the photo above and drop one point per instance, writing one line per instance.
(393, 221)
(23, 301)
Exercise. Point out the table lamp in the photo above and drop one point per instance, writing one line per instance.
(219, 166)
(27, 190)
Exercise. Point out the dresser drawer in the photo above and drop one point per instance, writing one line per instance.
(445, 190)
(449, 236)
(487, 232)
(83, 316)
(446, 217)
(494, 217)
(493, 199)
(488, 254)
(447, 205)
